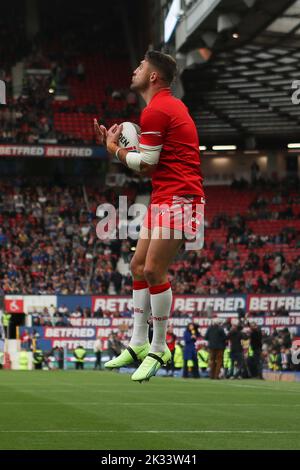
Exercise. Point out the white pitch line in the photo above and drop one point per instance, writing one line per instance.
(267, 388)
(148, 404)
(57, 390)
(171, 431)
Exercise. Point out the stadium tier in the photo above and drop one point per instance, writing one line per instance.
(101, 87)
(58, 81)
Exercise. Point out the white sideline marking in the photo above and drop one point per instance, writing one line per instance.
(172, 431)
(144, 404)
(267, 388)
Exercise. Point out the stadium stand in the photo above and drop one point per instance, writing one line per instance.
(48, 243)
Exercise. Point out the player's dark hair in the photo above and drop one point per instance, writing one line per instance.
(164, 63)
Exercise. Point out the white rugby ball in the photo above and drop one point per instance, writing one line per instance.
(130, 136)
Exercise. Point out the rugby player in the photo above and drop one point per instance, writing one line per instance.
(169, 153)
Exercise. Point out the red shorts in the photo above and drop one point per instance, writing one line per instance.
(182, 213)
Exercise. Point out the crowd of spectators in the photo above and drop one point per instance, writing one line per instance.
(191, 273)
(28, 119)
(45, 240)
(272, 350)
(48, 245)
(245, 260)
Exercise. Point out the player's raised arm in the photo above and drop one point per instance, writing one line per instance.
(144, 162)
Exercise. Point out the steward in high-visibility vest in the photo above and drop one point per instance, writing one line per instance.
(178, 357)
(79, 354)
(203, 359)
(227, 361)
(274, 361)
(38, 358)
(5, 322)
(5, 318)
(23, 360)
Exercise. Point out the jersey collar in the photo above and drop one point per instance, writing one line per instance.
(161, 92)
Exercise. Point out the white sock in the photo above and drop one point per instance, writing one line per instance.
(141, 313)
(161, 302)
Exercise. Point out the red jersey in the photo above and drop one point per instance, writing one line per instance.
(166, 125)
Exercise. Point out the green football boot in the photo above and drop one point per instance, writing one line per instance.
(128, 356)
(150, 365)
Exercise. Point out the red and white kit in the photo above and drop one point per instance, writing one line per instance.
(177, 198)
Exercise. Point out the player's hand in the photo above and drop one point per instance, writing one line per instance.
(113, 135)
(101, 133)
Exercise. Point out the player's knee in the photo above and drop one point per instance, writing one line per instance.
(137, 268)
(151, 275)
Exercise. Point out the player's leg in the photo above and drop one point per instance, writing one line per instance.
(160, 255)
(139, 344)
(140, 292)
(161, 252)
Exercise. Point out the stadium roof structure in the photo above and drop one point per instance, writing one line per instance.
(243, 94)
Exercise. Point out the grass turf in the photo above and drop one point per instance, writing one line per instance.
(105, 410)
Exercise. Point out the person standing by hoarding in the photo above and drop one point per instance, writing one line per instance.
(5, 322)
(1, 359)
(79, 354)
(38, 359)
(171, 342)
(61, 358)
(25, 340)
(227, 362)
(203, 359)
(235, 337)
(216, 338)
(256, 347)
(178, 357)
(23, 360)
(190, 337)
(98, 353)
(58, 353)
(114, 345)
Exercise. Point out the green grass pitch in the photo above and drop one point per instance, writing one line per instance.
(105, 410)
